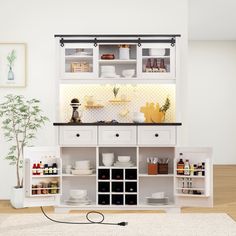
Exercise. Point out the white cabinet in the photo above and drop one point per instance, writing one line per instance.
(117, 135)
(156, 61)
(79, 61)
(156, 135)
(73, 136)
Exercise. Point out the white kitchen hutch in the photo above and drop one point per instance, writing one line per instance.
(79, 66)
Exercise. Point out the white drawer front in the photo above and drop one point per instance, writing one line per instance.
(77, 136)
(119, 135)
(153, 135)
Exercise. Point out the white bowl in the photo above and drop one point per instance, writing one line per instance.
(123, 158)
(158, 195)
(108, 156)
(107, 162)
(108, 69)
(78, 193)
(128, 73)
(157, 52)
(138, 119)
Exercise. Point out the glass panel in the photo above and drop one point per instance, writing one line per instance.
(78, 60)
(156, 60)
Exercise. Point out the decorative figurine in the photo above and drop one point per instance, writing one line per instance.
(76, 116)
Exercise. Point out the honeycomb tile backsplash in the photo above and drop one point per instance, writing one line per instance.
(137, 94)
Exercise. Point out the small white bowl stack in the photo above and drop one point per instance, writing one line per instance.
(78, 197)
(108, 72)
(124, 161)
(82, 168)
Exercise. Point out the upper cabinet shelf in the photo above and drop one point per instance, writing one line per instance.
(118, 63)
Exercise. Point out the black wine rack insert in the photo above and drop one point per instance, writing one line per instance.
(117, 186)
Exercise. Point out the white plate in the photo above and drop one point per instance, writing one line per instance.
(82, 172)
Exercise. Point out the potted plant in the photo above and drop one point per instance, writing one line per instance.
(21, 119)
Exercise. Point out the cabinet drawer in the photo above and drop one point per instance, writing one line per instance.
(153, 135)
(76, 136)
(119, 135)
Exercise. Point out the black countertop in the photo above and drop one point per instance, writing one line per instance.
(116, 124)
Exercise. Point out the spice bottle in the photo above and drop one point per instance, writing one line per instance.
(191, 169)
(149, 66)
(155, 67)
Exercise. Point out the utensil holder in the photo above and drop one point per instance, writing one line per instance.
(152, 169)
(162, 168)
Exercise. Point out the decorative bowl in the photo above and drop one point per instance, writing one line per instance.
(123, 158)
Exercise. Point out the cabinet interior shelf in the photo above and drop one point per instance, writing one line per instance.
(156, 176)
(45, 176)
(117, 61)
(70, 175)
(200, 189)
(94, 106)
(191, 195)
(190, 176)
(155, 57)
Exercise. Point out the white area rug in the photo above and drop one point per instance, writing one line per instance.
(139, 225)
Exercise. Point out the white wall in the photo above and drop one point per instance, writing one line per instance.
(36, 22)
(211, 109)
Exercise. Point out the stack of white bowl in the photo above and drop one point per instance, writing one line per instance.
(82, 168)
(78, 197)
(108, 72)
(124, 161)
(108, 159)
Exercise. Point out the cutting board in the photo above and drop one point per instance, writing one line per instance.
(152, 113)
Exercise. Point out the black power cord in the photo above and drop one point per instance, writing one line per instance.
(87, 217)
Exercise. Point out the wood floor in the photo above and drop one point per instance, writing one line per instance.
(224, 195)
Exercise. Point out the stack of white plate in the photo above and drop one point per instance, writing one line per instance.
(74, 202)
(108, 72)
(123, 164)
(82, 168)
(157, 199)
(78, 197)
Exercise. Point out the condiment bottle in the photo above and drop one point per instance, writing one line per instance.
(54, 168)
(45, 169)
(191, 169)
(38, 170)
(50, 170)
(180, 165)
(186, 167)
(162, 66)
(34, 169)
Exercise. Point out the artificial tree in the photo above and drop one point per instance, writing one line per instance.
(21, 119)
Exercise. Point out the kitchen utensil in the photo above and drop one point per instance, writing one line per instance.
(123, 158)
(157, 52)
(128, 73)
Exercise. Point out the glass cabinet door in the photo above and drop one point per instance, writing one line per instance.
(79, 61)
(156, 61)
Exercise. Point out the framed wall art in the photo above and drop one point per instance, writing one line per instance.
(12, 65)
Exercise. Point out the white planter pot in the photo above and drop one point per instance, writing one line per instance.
(17, 197)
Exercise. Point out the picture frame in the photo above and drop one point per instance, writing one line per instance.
(13, 65)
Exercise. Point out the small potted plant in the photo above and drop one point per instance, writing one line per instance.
(21, 119)
(115, 91)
